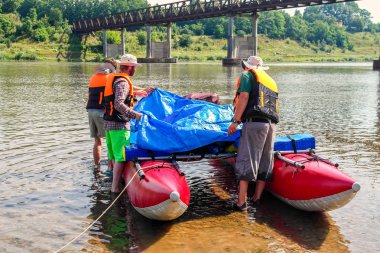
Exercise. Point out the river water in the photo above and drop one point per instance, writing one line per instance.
(49, 192)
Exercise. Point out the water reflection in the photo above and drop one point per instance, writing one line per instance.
(210, 224)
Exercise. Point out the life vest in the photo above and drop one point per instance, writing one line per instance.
(111, 114)
(263, 98)
(96, 91)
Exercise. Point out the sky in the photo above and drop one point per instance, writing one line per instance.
(373, 6)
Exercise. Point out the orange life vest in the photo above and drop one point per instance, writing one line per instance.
(111, 114)
(96, 91)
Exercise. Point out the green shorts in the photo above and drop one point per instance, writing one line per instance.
(116, 141)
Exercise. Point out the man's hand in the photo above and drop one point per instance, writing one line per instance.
(138, 116)
(232, 128)
(149, 89)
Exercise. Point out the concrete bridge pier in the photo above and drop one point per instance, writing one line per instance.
(122, 41)
(113, 50)
(158, 52)
(241, 47)
(148, 42)
(230, 60)
(376, 64)
(255, 17)
(105, 48)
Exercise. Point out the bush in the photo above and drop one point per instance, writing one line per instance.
(141, 37)
(8, 42)
(185, 40)
(24, 56)
(240, 33)
(40, 34)
(113, 37)
(184, 57)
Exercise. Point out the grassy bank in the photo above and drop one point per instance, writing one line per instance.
(202, 49)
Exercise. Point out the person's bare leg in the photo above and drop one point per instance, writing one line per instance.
(117, 170)
(97, 150)
(258, 190)
(110, 164)
(242, 196)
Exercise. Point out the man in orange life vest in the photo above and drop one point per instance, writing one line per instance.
(95, 107)
(118, 96)
(256, 105)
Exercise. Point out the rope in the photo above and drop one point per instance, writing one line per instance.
(104, 212)
(121, 193)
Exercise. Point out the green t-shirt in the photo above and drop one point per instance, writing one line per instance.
(247, 79)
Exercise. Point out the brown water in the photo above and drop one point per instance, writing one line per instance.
(49, 193)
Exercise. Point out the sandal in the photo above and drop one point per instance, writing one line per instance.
(241, 208)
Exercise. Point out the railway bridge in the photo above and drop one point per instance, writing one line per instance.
(166, 14)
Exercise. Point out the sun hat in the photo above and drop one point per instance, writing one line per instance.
(129, 60)
(254, 62)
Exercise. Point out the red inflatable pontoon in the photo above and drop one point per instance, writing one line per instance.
(310, 183)
(160, 192)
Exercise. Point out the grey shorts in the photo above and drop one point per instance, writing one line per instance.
(95, 121)
(255, 153)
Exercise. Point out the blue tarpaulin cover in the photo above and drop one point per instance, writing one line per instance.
(173, 124)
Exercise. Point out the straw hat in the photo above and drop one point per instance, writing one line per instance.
(254, 62)
(129, 60)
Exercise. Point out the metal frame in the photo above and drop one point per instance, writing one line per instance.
(189, 10)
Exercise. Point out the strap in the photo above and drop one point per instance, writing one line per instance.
(294, 146)
(151, 154)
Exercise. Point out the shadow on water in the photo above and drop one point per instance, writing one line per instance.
(210, 223)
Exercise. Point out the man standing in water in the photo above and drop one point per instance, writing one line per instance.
(95, 107)
(118, 98)
(256, 105)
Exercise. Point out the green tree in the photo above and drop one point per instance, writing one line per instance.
(243, 24)
(272, 24)
(7, 26)
(296, 28)
(32, 15)
(10, 6)
(197, 29)
(356, 25)
(219, 32)
(55, 16)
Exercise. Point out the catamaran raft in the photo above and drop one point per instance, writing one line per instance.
(174, 128)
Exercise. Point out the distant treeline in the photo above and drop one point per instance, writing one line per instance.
(47, 20)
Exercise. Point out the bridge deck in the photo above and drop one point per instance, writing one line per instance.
(189, 10)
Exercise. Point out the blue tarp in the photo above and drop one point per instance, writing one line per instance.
(173, 124)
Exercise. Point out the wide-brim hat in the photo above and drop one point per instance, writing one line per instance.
(129, 60)
(254, 62)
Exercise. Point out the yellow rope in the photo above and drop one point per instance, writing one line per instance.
(104, 212)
